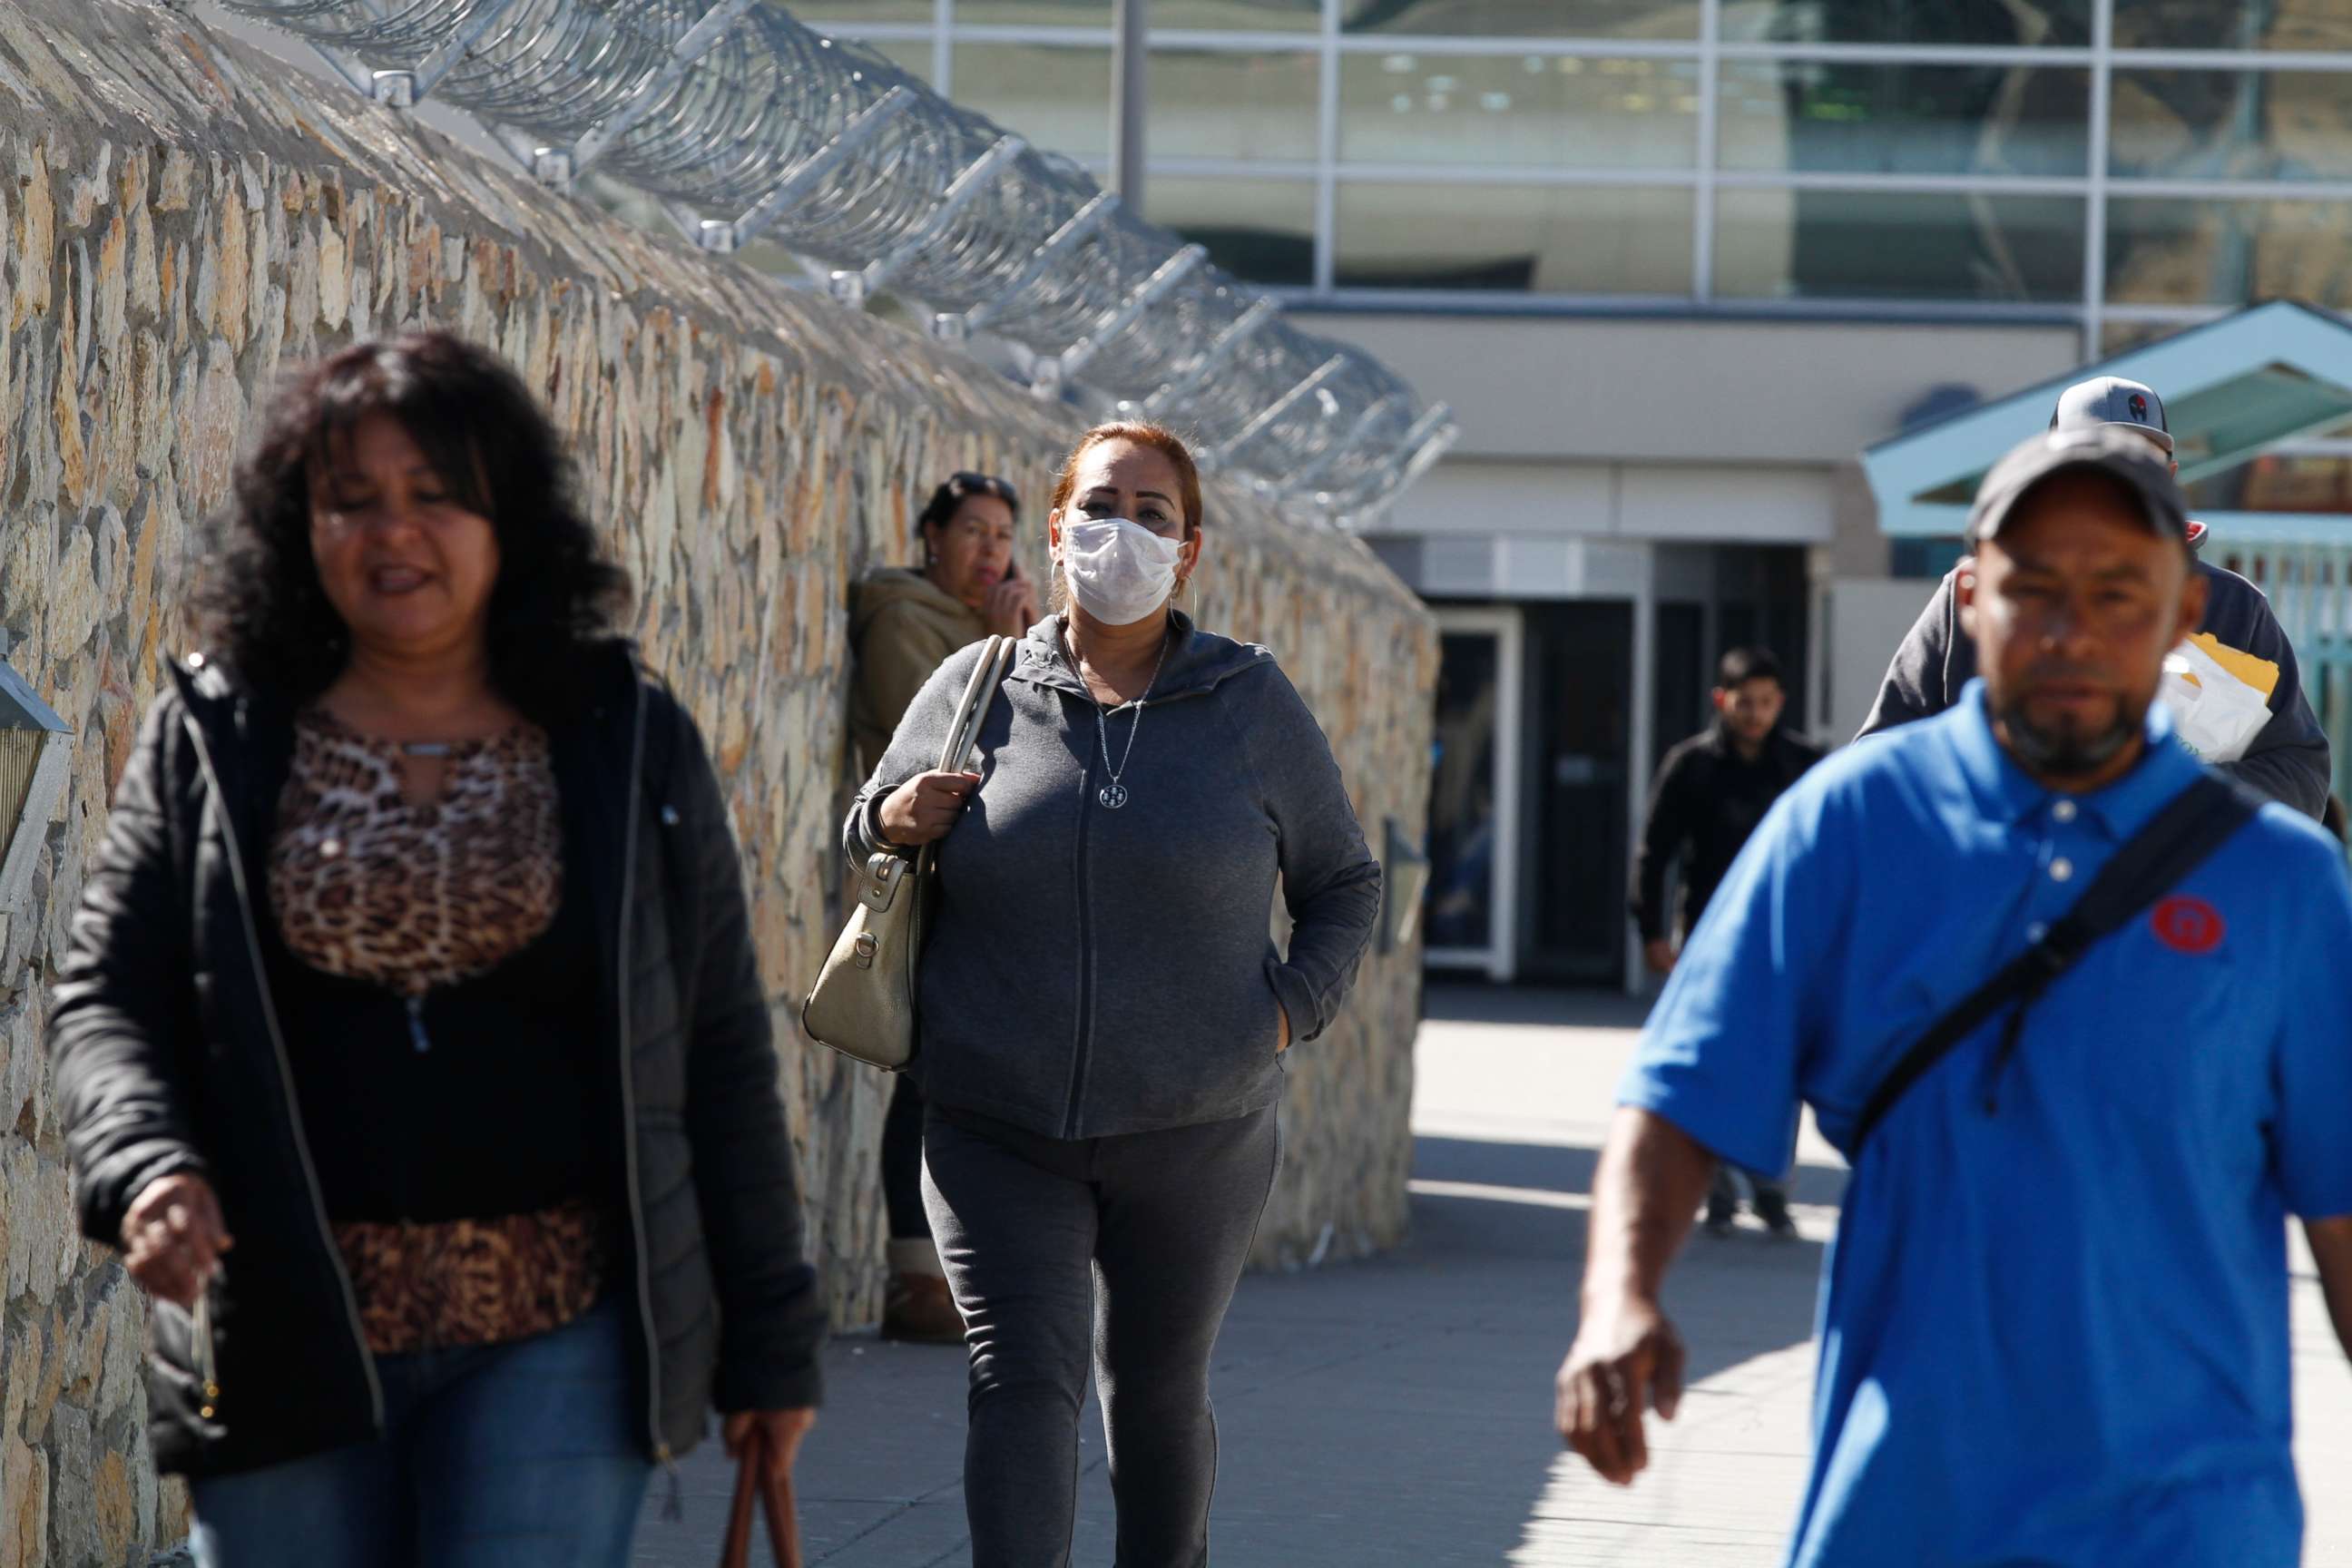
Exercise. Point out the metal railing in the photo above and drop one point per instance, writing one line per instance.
(829, 151)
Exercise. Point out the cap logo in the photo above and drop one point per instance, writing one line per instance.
(2187, 925)
(2137, 404)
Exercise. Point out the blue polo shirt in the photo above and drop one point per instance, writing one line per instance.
(2054, 1332)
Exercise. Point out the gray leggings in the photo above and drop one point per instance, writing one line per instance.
(1122, 1252)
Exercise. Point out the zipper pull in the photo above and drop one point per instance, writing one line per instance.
(201, 1334)
(416, 1035)
(673, 1509)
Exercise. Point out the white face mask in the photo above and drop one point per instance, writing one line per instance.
(1119, 571)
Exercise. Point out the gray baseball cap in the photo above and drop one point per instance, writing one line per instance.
(2112, 400)
(2097, 448)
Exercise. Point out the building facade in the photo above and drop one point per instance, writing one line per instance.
(1676, 263)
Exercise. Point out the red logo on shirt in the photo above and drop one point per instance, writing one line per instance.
(2187, 925)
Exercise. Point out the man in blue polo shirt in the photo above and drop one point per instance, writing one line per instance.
(2054, 1323)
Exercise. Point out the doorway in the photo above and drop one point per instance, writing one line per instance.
(1579, 662)
(1469, 914)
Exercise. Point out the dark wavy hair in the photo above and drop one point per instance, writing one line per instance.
(959, 488)
(259, 607)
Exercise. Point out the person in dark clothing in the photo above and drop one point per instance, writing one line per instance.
(411, 1044)
(2287, 760)
(1104, 1018)
(1711, 792)
(903, 624)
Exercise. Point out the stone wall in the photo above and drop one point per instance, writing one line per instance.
(187, 219)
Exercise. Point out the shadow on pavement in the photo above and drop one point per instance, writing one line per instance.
(1399, 1411)
(1462, 1003)
(1390, 1411)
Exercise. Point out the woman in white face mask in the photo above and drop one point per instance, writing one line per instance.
(1103, 1014)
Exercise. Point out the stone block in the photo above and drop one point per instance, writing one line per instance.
(24, 1504)
(73, 1500)
(114, 1507)
(36, 239)
(748, 450)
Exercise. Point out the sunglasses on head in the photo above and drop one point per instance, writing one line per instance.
(970, 484)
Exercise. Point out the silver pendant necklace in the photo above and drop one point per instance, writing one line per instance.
(1113, 795)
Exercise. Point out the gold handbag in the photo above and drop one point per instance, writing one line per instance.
(864, 1002)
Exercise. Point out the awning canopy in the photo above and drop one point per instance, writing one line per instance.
(2235, 390)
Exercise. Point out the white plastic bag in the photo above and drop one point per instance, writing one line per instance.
(2216, 714)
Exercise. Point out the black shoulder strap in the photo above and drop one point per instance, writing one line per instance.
(2196, 823)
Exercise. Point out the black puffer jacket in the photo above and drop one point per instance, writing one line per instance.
(167, 1057)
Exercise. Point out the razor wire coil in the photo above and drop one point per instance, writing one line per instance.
(732, 105)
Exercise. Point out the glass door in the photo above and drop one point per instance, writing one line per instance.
(1469, 914)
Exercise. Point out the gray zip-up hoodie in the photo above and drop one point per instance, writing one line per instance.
(1091, 972)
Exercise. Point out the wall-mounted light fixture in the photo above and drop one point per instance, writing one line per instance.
(1405, 877)
(36, 751)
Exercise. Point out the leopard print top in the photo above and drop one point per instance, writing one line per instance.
(408, 897)
(368, 887)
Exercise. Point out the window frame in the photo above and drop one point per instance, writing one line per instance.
(2089, 310)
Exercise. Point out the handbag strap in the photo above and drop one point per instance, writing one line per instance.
(775, 1497)
(963, 733)
(2175, 841)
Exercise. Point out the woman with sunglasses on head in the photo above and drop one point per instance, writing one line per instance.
(903, 624)
(412, 1045)
(1103, 1010)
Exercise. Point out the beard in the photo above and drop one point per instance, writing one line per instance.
(2067, 750)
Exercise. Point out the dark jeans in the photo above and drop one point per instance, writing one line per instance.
(1119, 1252)
(528, 1455)
(1723, 1192)
(902, 1163)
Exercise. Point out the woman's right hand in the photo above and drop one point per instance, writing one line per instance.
(1012, 608)
(921, 810)
(172, 1237)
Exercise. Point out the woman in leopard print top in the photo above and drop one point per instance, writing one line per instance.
(412, 1044)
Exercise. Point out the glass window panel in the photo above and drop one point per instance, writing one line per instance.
(1261, 230)
(2278, 481)
(2122, 337)
(1878, 245)
(1057, 96)
(2229, 253)
(2233, 125)
(1239, 16)
(1464, 831)
(1212, 16)
(1832, 116)
(846, 17)
(1523, 19)
(1211, 104)
(1558, 239)
(2300, 25)
(1996, 23)
(1526, 110)
(1033, 13)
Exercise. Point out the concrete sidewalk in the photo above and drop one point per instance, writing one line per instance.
(1398, 1412)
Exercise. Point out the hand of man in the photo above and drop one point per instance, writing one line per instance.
(1283, 1044)
(781, 1432)
(172, 1237)
(1660, 955)
(1624, 1358)
(1010, 608)
(921, 810)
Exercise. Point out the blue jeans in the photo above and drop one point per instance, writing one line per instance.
(514, 1456)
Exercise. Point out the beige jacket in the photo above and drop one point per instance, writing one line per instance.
(901, 627)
